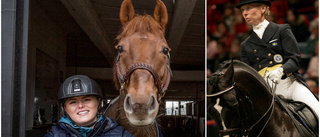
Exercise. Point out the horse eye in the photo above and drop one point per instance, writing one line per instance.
(165, 50)
(120, 48)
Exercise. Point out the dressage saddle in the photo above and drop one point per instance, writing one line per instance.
(304, 118)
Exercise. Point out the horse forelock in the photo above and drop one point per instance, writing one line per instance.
(142, 24)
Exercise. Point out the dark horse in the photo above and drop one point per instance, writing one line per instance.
(142, 69)
(249, 107)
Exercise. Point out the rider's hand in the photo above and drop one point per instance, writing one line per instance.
(275, 75)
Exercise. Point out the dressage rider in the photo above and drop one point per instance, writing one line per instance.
(80, 97)
(273, 51)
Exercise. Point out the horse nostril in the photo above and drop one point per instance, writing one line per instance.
(127, 104)
(152, 104)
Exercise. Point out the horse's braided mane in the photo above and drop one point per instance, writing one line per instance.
(142, 24)
(240, 65)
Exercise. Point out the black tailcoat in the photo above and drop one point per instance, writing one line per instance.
(277, 40)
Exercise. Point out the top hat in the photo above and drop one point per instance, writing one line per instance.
(244, 2)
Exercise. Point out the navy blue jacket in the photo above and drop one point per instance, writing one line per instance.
(104, 128)
(277, 46)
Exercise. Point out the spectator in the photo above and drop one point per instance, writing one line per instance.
(215, 54)
(235, 50)
(313, 68)
(212, 61)
(212, 49)
(224, 36)
(313, 86)
(298, 25)
(228, 16)
(240, 26)
(222, 55)
(314, 37)
(247, 34)
(273, 18)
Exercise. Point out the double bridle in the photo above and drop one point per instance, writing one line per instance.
(244, 130)
(161, 87)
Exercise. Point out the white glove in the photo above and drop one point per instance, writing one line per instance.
(275, 75)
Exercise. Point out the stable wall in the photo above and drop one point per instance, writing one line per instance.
(46, 62)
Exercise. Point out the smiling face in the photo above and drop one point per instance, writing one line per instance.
(82, 109)
(253, 13)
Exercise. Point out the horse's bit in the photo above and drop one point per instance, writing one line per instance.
(161, 88)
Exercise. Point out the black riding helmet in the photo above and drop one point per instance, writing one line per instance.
(78, 85)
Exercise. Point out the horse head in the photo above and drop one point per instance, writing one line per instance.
(142, 66)
(222, 83)
(236, 80)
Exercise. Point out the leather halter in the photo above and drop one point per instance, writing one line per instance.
(161, 87)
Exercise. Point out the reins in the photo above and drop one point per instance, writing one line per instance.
(271, 107)
(246, 131)
(222, 92)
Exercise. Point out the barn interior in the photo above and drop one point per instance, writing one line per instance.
(78, 37)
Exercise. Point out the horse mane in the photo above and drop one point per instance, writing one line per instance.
(142, 24)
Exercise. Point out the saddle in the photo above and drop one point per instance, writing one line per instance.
(304, 118)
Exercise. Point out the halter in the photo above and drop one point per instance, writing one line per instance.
(245, 130)
(161, 88)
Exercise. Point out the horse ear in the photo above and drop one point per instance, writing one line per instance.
(229, 73)
(160, 14)
(126, 12)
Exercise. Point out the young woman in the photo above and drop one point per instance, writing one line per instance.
(273, 51)
(80, 97)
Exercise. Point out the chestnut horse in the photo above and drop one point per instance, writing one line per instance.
(142, 69)
(249, 107)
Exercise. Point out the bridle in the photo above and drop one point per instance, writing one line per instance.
(223, 91)
(245, 131)
(161, 87)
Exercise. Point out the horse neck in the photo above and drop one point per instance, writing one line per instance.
(256, 91)
(117, 113)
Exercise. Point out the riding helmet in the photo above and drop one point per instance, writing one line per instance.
(78, 85)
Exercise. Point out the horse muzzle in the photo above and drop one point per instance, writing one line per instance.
(141, 112)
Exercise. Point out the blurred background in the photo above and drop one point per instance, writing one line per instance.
(226, 29)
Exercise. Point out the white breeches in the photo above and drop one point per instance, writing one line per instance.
(292, 89)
